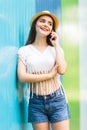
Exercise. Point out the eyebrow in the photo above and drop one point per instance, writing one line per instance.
(45, 19)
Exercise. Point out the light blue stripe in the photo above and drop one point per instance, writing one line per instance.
(83, 63)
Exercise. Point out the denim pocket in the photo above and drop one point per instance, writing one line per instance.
(59, 98)
(33, 101)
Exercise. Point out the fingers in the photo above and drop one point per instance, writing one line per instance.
(54, 39)
(53, 35)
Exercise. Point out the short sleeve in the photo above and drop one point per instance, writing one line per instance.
(22, 55)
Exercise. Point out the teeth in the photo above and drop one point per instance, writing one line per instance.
(45, 29)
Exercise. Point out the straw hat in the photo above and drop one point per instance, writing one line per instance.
(46, 13)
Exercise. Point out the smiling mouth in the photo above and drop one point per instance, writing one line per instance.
(44, 29)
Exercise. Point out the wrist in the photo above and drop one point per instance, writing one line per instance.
(49, 75)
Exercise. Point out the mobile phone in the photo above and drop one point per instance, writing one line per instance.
(51, 36)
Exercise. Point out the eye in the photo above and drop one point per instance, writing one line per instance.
(50, 24)
(42, 20)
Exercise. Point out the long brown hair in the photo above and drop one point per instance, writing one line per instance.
(32, 34)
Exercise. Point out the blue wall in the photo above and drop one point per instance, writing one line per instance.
(14, 27)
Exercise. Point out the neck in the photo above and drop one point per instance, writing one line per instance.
(40, 41)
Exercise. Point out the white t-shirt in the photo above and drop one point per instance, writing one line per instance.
(37, 61)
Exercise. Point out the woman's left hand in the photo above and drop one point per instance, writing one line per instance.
(54, 38)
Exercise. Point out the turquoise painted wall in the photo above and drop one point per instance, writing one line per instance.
(14, 27)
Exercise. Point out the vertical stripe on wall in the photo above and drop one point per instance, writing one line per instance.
(83, 63)
(54, 7)
(70, 41)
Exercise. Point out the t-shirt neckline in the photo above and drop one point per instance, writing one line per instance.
(36, 49)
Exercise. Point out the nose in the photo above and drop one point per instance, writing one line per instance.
(46, 25)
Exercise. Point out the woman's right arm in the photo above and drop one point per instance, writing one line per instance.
(23, 76)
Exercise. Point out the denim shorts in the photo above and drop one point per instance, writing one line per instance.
(51, 108)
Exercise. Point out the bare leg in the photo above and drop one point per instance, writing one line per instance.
(41, 126)
(63, 125)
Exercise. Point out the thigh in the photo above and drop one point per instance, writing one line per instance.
(41, 126)
(62, 125)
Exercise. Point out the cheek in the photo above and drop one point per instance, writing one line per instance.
(37, 26)
(51, 28)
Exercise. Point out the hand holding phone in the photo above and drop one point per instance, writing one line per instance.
(54, 38)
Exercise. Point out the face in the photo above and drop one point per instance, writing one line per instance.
(44, 25)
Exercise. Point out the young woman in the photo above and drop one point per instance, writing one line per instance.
(40, 64)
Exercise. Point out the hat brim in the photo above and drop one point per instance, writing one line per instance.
(46, 13)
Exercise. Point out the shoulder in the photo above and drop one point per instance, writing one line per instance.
(51, 47)
(51, 51)
(23, 49)
(23, 52)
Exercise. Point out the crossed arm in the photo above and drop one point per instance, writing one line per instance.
(27, 77)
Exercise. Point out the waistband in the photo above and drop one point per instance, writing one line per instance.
(59, 91)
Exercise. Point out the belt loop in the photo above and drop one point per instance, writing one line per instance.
(45, 97)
